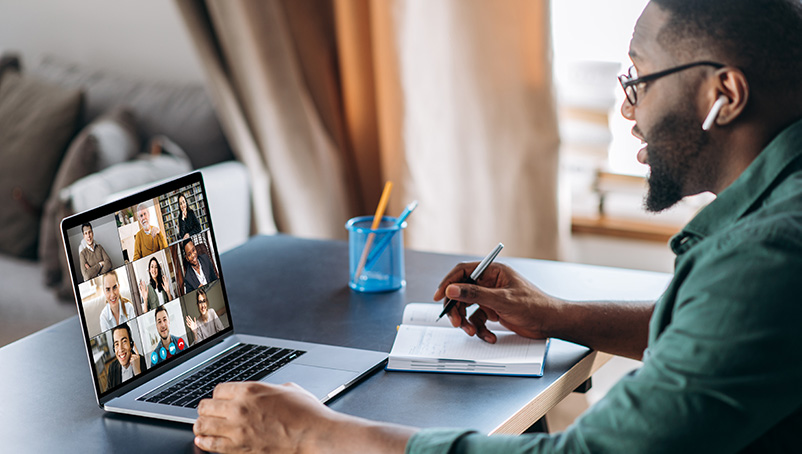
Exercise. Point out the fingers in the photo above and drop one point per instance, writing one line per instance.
(230, 390)
(213, 444)
(474, 294)
(209, 434)
(479, 319)
(216, 408)
(459, 273)
(458, 318)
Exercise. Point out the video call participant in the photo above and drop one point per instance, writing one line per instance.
(209, 322)
(148, 239)
(94, 259)
(169, 344)
(129, 362)
(157, 291)
(118, 309)
(199, 269)
(187, 221)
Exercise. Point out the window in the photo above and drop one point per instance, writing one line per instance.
(591, 42)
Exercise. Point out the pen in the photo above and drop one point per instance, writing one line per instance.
(382, 245)
(474, 276)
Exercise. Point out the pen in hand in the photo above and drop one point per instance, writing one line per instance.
(449, 304)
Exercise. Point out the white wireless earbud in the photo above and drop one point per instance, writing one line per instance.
(711, 116)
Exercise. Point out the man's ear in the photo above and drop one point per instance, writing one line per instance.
(730, 82)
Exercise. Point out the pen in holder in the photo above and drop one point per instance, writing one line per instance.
(385, 270)
(375, 253)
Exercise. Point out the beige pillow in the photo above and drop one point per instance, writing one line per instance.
(109, 140)
(37, 120)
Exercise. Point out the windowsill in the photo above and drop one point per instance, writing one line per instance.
(623, 228)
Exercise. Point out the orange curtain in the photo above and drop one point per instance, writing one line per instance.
(452, 100)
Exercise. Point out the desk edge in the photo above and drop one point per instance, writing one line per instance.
(536, 408)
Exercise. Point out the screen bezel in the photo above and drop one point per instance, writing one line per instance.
(76, 220)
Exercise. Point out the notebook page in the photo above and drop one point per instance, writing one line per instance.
(417, 342)
(427, 313)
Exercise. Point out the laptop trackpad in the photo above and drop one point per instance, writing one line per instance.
(319, 381)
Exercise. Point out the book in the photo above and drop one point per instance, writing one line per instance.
(427, 345)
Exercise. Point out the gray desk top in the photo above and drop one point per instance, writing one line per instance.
(293, 288)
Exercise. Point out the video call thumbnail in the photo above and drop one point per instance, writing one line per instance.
(205, 311)
(148, 283)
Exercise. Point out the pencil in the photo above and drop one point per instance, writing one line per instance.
(377, 218)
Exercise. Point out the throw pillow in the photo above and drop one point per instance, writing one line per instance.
(109, 140)
(180, 111)
(117, 181)
(37, 120)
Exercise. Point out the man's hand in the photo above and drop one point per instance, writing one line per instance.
(503, 295)
(154, 231)
(257, 417)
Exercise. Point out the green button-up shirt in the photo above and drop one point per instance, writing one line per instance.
(723, 367)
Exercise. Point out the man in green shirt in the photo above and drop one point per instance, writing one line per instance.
(715, 92)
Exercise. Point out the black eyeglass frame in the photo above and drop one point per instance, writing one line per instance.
(627, 81)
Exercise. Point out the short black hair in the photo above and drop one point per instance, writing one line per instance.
(126, 328)
(184, 245)
(763, 38)
(86, 224)
(159, 309)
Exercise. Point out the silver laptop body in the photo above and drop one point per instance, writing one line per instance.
(147, 279)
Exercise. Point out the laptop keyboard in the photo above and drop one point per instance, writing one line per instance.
(245, 362)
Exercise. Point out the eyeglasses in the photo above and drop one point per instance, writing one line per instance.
(631, 82)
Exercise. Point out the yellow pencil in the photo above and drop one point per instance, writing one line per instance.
(377, 218)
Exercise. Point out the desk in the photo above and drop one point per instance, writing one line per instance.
(47, 403)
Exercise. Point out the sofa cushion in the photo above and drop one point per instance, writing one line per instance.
(37, 120)
(110, 139)
(182, 111)
(96, 188)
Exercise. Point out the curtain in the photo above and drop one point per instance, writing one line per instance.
(451, 100)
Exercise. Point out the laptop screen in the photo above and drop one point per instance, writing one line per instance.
(147, 278)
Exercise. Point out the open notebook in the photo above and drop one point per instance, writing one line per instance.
(427, 345)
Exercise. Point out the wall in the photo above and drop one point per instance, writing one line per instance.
(144, 38)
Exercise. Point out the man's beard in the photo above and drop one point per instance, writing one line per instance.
(674, 147)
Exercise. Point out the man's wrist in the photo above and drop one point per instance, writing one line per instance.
(345, 433)
(556, 318)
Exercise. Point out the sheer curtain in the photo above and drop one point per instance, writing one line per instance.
(451, 100)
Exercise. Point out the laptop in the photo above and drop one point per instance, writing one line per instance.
(156, 320)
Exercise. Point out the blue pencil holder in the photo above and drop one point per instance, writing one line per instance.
(380, 267)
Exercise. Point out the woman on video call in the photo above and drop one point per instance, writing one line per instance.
(118, 309)
(209, 322)
(157, 291)
(187, 221)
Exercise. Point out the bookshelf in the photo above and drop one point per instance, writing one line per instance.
(170, 210)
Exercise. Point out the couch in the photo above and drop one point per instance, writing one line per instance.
(73, 137)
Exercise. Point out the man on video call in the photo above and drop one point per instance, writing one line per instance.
(94, 259)
(129, 362)
(148, 239)
(199, 269)
(169, 344)
(716, 94)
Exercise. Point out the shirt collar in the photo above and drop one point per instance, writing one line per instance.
(753, 184)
